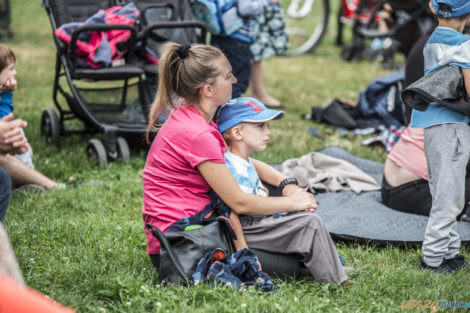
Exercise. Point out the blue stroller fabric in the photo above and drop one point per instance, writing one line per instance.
(239, 270)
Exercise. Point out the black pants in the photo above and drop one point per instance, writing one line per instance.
(414, 197)
(238, 54)
(5, 190)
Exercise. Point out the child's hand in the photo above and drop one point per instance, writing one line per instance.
(11, 139)
(303, 201)
(10, 85)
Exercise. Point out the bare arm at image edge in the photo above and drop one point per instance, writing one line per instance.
(466, 78)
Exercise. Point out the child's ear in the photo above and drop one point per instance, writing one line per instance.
(236, 133)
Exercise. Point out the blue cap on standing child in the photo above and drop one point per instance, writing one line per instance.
(245, 109)
(458, 7)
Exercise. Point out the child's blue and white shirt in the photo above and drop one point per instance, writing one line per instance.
(445, 46)
(245, 174)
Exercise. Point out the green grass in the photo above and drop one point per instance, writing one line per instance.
(85, 246)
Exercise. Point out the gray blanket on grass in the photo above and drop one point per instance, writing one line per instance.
(363, 217)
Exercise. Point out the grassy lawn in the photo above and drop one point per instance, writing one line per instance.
(85, 246)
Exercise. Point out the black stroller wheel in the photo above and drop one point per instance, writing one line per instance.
(123, 149)
(95, 150)
(50, 128)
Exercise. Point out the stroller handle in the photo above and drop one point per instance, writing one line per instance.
(180, 24)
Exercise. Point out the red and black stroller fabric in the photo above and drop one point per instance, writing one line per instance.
(98, 49)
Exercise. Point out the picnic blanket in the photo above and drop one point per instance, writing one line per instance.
(363, 217)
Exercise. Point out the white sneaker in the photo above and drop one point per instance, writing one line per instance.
(348, 270)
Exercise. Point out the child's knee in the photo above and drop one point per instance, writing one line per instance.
(315, 220)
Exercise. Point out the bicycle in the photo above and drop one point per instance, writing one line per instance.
(380, 28)
(307, 21)
(306, 24)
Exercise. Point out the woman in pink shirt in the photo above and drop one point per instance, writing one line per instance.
(186, 158)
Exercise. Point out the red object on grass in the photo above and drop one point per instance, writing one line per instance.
(18, 299)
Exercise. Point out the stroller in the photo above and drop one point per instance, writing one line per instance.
(111, 97)
(407, 21)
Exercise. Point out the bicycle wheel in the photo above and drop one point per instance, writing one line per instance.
(306, 23)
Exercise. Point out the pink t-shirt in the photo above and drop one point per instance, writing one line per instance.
(173, 187)
(409, 154)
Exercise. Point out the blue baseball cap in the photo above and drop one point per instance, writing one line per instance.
(458, 7)
(245, 109)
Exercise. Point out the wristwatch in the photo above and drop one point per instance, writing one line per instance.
(287, 181)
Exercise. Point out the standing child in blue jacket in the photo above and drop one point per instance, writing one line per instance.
(446, 138)
(8, 84)
(236, 46)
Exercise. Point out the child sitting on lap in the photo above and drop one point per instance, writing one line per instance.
(243, 123)
(8, 84)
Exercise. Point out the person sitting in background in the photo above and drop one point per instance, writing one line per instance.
(405, 183)
(8, 84)
(21, 168)
(11, 141)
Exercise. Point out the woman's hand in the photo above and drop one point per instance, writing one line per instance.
(303, 201)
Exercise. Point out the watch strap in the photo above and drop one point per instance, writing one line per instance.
(287, 181)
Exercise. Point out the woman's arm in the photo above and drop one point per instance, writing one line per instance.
(219, 178)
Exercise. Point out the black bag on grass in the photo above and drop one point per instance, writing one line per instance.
(181, 250)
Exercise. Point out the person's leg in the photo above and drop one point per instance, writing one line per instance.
(238, 54)
(8, 264)
(22, 174)
(258, 88)
(5, 191)
(300, 233)
(447, 155)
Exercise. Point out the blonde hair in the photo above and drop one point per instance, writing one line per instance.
(184, 70)
(7, 57)
(227, 135)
